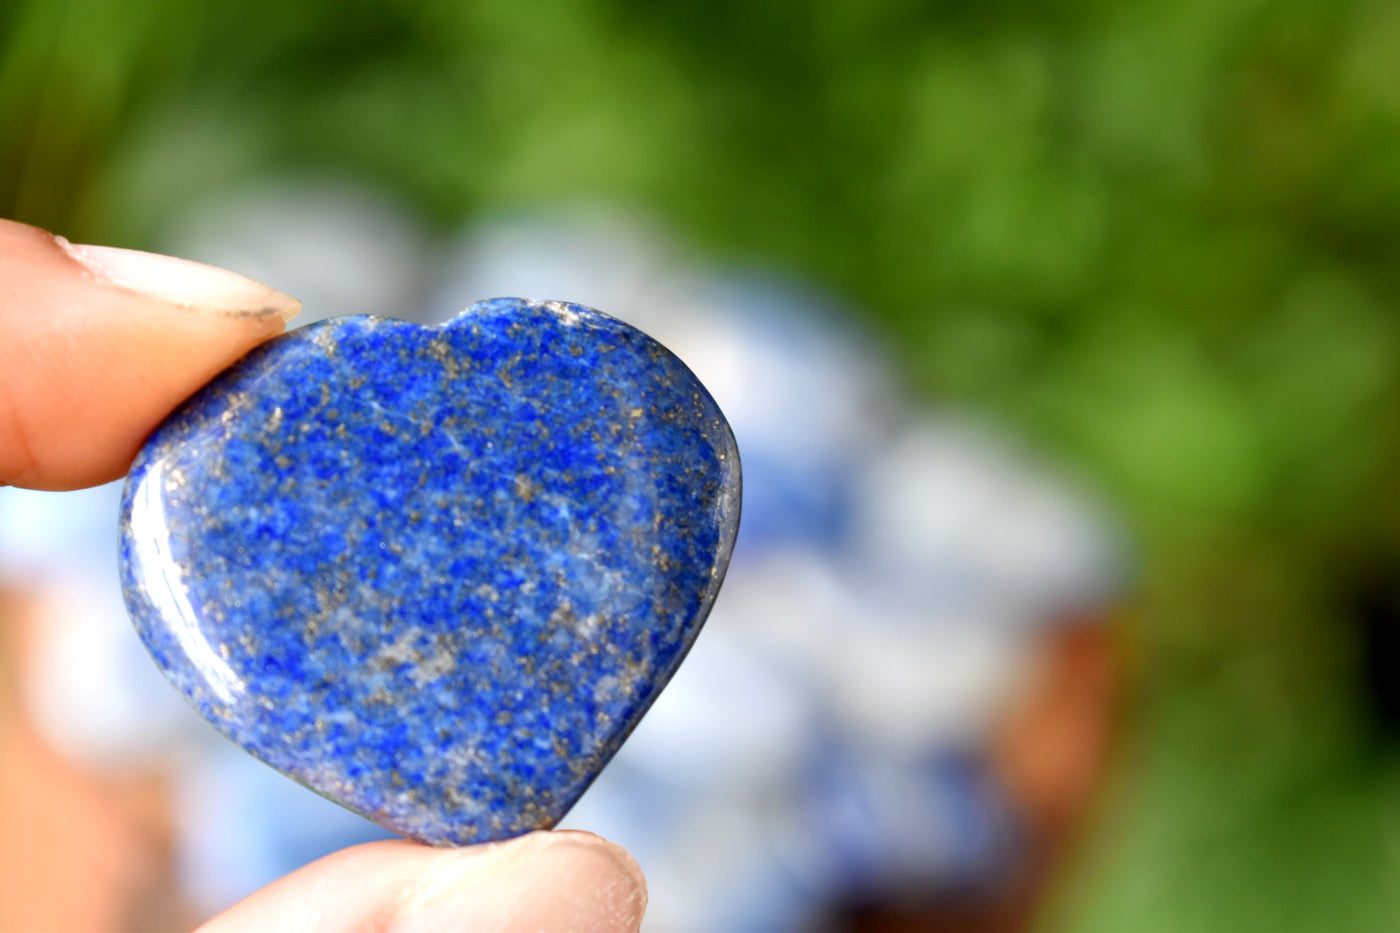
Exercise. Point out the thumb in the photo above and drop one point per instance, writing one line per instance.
(97, 345)
(559, 881)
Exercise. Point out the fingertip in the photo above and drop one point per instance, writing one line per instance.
(97, 345)
(612, 861)
(541, 881)
(556, 881)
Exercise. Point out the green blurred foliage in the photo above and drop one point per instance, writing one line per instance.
(1161, 237)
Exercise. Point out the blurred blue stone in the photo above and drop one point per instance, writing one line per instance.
(935, 823)
(808, 397)
(435, 574)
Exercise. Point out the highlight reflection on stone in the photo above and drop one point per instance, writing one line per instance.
(435, 574)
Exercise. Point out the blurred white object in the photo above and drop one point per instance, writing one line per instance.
(594, 258)
(91, 688)
(953, 514)
(46, 533)
(335, 245)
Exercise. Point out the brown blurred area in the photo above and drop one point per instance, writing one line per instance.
(1052, 749)
(78, 853)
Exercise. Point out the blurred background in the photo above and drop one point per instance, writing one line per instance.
(1060, 344)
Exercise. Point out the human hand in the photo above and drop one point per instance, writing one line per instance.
(96, 347)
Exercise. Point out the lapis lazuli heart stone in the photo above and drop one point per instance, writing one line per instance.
(435, 574)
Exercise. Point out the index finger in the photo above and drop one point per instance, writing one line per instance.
(97, 345)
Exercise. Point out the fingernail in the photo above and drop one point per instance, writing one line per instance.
(183, 283)
(558, 881)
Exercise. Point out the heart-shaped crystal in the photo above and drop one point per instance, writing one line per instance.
(436, 574)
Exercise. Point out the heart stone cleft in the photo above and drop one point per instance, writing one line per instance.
(435, 574)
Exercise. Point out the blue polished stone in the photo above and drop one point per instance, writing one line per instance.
(435, 574)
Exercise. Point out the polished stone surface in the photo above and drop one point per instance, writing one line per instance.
(435, 574)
